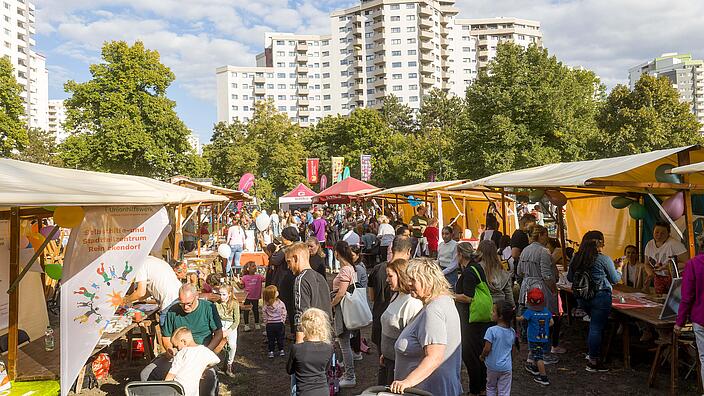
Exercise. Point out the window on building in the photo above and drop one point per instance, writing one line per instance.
(395, 6)
(396, 64)
(234, 85)
(235, 108)
(270, 86)
(282, 108)
(245, 108)
(395, 18)
(412, 64)
(395, 41)
(410, 29)
(395, 53)
(412, 52)
(396, 30)
(410, 17)
(280, 53)
(410, 6)
(281, 97)
(397, 88)
(412, 75)
(326, 108)
(397, 76)
(413, 99)
(411, 41)
(413, 87)
(280, 75)
(280, 42)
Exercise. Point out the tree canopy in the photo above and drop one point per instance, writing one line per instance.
(13, 128)
(121, 119)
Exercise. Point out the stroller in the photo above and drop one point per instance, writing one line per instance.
(154, 388)
(384, 391)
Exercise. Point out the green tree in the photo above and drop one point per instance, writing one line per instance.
(441, 117)
(40, 148)
(13, 129)
(269, 147)
(122, 121)
(398, 115)
(527, 109)
(650, 117)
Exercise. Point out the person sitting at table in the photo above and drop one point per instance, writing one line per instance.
(633, 272)
(156, 278)
(202, 319)
(658, 252)
(190, 361)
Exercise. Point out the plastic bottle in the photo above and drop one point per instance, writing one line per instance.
(49, 339)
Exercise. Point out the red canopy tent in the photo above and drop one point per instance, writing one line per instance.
(299, 196)
(342, 192)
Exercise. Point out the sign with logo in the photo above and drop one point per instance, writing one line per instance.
(366, 166)
(338, 166)
(312, 170)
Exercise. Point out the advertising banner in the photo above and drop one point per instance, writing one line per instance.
(366, 166)
(103, 255)
(312, 170)
(338, 166)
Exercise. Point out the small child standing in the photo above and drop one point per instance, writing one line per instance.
(274, 318)
(229, 309)
(190, 362)
(498, 345)
(251, 282)
(539, 321)
(308, 360)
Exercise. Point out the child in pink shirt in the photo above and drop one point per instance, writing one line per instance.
(274, 317)
(251, 282)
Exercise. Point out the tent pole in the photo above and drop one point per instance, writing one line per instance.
(465, 219)
(397, 213)
(503, 211)
(563, 239)
(683, 159)
(198, 232)
(638, 239)
(14, 294)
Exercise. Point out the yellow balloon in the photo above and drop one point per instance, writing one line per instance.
(69, 216)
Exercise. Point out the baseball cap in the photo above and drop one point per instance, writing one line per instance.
(535, 297)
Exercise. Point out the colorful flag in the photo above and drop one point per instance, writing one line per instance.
(338, 164)
(312, 170)
(323, 182)
(366, 166)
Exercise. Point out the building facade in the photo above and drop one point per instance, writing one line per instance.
(685, 73)
(56, 119)
(380, 47)
(17, 43)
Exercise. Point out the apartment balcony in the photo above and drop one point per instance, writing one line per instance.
(303, 91)
(259, 79)
(426, 69)
(451, 10)
(378, 26)
(425, 23)
(426, 46)
(301, 68)
(302, 46)
(426, 35)
(380, 84)
(259, 90)
(379, 60)
(426, 57)
(302, 79)
(301, 57)
(483, 54)
(303, 102)
(380, 72)
(427, 80)
(380, 47)
(304, 112)
(425, 10)
(359, 97)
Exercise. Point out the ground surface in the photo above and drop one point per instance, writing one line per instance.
(259, 375)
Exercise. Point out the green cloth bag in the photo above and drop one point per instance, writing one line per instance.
(482, 303)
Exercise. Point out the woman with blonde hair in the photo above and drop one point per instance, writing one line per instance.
(536, 270)
(385, 234)
(497, 278)
(401, 310)
(428, 353)
(308, 360)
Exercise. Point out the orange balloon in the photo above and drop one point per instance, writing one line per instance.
(69, 216)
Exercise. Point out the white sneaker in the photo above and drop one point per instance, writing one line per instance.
(348, 383)
(246, 328)
(257, 327)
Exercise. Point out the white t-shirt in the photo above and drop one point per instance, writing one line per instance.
(189, 364)
(669, 248)
(447, 253)
(386, 233)
(351, 238)
(161, 279)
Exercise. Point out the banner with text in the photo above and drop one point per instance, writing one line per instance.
(312, 170)
(338, 165)
(103, 255)
(365, 162)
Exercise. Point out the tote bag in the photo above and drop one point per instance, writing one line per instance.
(482, 303)
(355, 309)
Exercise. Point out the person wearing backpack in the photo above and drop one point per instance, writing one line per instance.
(535, 270)
(474, 305)
(592, 273)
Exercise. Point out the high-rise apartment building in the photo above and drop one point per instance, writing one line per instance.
(56, 119)
(491, 31)
(377, 48)
(685, 73)
(16, 43)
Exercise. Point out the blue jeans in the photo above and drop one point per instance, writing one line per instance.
(332, 263)
(162, 313)
(452, 278)
(598, 309)
(234, 258)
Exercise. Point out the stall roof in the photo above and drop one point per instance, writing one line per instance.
(301, 195)
(341, 192)
(478, 194)
(31, 185)
(631, 173)
(686, 169)
(418, 187)
(234, 195)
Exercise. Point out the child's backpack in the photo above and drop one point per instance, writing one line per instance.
(334, 373)
(583, 285)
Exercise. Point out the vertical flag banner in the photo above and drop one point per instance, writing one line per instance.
(337, 168)
(312, 170)
(366, 166)
(103, 255)
(323, 182)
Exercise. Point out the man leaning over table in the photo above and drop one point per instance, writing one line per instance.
(202, 319)
(692, 305)
(157, 278)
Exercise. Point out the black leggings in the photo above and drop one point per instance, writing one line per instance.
(356, 342)
(555, 331)
(255, 311)
(275, 335)
(472, 346)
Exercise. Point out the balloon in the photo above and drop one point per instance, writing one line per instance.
(556, 198)
(621, 202)
(224, 251)
(47, 230)
(536, 195)
(69, 216)
(663, 177)
(674, 206)
(239, 206)
(53, 271)
(637, 211)
(414, 201)
(36, 239)
(246, 182)
(323, 182)
(262, 221)
(346, 173)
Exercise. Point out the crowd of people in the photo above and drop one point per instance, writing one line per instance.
(436, 301)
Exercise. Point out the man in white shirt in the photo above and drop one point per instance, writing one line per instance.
(351, 237)
(156, 277)
(190, 362)
(661, 248)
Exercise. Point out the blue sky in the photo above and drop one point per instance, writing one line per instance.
(194, 37)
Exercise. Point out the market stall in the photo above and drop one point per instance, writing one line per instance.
(342, 192)
(116, 220)
(299, 197)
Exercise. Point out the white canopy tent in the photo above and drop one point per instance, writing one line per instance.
(26, 187)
